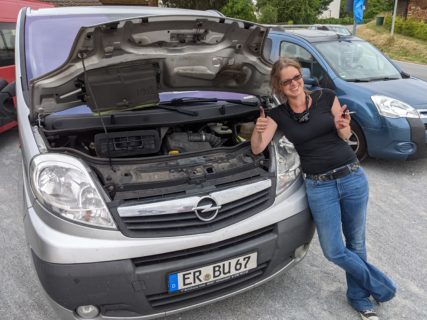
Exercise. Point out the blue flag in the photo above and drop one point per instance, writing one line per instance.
(358, 7)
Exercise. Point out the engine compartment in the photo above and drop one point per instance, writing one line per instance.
(147, 156)
(150, 142)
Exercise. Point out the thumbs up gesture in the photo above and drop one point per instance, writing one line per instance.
(262, 121)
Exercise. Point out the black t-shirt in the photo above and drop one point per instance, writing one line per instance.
(316, 141)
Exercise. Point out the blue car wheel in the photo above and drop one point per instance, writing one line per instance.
(357, 141)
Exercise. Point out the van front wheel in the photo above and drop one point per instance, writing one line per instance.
(357, 141)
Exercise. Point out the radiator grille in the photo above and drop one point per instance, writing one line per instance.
(188, 223)
(203, 250)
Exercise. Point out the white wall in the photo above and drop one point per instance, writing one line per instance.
(333, 10)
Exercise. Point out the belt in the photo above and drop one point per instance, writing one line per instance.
(336, 173)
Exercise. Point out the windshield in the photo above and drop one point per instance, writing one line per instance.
(357, 61)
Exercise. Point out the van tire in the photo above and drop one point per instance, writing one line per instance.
(357, 141)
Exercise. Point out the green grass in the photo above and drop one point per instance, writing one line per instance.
(398, 47)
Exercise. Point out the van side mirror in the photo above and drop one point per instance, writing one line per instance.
(7, 89)
(3, 83)
(405, 75)
(7, 108)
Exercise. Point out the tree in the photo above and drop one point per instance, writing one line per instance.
(268, 14)
(240, 9)
(375, 7)
(324, 4)
(297, 11)
(195, 4)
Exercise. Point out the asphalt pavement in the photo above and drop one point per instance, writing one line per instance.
(414, 69)
(314, 289)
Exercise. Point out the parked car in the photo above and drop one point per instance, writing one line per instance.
(8, 14)
(339, 29)
(142, 196)
(390, 106)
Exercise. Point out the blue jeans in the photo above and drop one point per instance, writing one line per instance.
(339, 207)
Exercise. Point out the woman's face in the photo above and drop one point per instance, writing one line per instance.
(291, 82)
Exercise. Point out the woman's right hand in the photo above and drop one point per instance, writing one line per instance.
(263, 132)
(262, 121)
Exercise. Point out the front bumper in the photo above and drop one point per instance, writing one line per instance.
(397, 139)
(137, 287)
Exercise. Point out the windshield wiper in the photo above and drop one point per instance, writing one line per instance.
(190, 100)
(359, 80)
(384, 78)
(187, 112)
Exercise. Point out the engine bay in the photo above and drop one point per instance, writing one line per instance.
(145, 155)
(151, 142)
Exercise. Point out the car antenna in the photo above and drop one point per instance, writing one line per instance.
(82, 56)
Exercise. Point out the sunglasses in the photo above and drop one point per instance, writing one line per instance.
(285, 83)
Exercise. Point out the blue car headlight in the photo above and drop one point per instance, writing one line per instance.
(393, 108)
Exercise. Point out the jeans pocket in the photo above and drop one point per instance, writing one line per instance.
(359, 172)
(310, 183)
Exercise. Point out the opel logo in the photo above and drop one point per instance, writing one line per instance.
(206, 209)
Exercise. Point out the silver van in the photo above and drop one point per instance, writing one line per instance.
(142, 197)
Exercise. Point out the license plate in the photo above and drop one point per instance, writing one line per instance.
(221, 271)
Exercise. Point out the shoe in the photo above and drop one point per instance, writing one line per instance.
(368, 315)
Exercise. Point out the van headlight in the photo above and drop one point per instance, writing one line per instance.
(288, 164)
(393, 108)
(63, 184)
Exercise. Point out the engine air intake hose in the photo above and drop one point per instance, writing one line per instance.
(213, 140)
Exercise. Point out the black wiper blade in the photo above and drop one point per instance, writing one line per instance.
(359, 80)
(187, 112)
(190, 100)
(384, 78)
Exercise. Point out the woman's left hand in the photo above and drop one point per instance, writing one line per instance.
(342, 119)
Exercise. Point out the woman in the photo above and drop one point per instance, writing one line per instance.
(336, 185)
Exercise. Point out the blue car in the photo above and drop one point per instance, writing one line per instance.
(390, 106)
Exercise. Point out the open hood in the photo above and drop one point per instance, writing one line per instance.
(125, 64)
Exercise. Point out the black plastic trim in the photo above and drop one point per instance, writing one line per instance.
(418, 134)
(23, 64)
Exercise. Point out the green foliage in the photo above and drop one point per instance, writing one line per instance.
(195, 4)
(240, 9)
(268, 14)
(298, 11)
(376, 6)
(409, 27)
(344, 14)
(345, 20)
(324, 4)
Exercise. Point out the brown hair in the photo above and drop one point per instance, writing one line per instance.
(278, 66)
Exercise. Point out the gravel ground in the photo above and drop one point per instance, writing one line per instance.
(314, 289)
